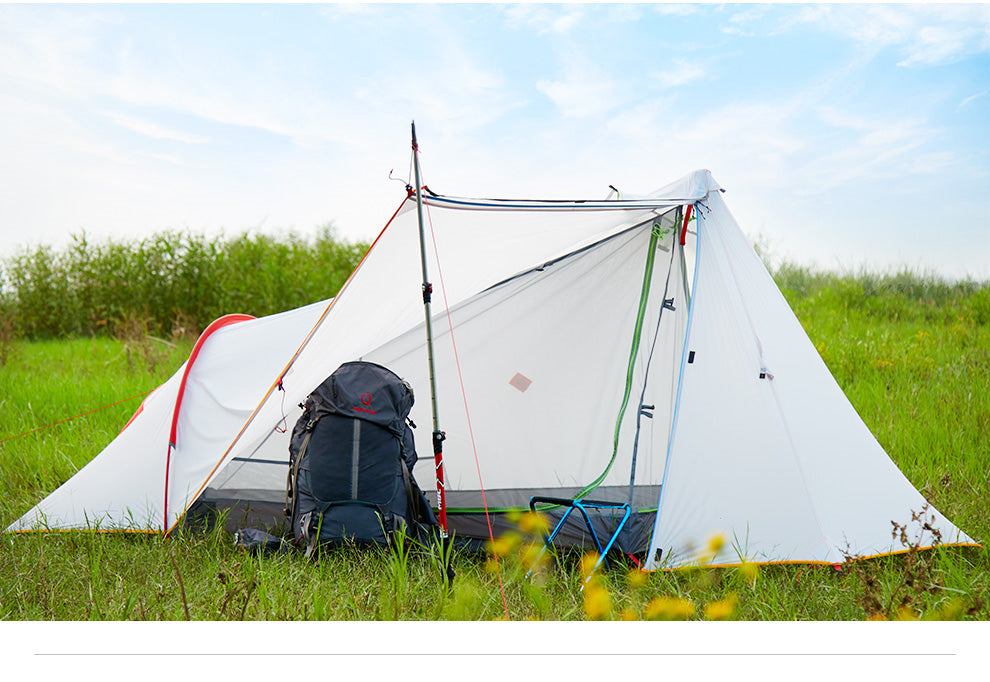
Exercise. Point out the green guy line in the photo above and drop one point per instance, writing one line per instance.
(644, 294)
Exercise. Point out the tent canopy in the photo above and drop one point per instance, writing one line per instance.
(598, 349)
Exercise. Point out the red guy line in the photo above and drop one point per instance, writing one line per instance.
(467, 412)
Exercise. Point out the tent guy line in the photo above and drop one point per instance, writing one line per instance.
(75, 416)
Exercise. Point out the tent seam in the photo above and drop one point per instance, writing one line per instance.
(680, 384)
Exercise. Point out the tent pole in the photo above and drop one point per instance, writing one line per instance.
(438, 434)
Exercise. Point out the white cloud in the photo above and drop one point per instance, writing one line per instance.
(924, 34)
(971, 98)
(305, 127)
(681, 72)
(640, 119)
(33, 127)
(854, 147)
(544, 19)
(153, 130)
(745, 23)
(167, 158)
(342, 10)
(581, 93)
(623, 13)
(944, 44)
(927, 34)
(675, 9)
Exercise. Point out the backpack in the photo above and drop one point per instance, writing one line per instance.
(350, 457)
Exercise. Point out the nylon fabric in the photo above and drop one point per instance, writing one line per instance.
(118, 488)
(781, 466)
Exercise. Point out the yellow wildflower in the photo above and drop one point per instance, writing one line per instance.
(683, 609)
(906, 613)
(668, 608)
(588, 563)
(597, 601)
(533, 556)
(636, 578)
(628, 614)
(722, 609)
(504, 544)
(951, 610)
(749, 572)
(715, 543)
(533, 524)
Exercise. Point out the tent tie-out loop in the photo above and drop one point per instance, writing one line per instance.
(281, 426)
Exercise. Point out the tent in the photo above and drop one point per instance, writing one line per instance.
(632, 350)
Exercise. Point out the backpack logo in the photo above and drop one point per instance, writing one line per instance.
(366, 401)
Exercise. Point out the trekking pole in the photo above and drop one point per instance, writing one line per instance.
(438, 434)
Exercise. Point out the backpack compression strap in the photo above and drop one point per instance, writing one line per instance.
(413, 499)
(290, 486)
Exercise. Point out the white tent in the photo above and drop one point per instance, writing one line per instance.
(606, 350)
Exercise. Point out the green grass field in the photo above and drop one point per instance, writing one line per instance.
(912, 353)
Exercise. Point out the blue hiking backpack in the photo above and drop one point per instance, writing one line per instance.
(350, 460)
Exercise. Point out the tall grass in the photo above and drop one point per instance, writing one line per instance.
(170, 280)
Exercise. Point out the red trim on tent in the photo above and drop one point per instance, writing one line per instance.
(220, 323)
(687, 219)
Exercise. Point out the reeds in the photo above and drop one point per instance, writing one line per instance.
(172, 281)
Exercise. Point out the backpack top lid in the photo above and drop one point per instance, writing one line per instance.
(366, 391)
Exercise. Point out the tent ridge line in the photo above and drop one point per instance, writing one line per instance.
(460, 203)
(570, 254)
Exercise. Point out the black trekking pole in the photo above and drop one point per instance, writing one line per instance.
(438, 434)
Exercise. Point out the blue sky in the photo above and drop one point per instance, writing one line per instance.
(847, 136)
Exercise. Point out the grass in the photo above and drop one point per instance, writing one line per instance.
(910, 351)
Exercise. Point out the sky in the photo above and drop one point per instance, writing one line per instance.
(847, 137)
